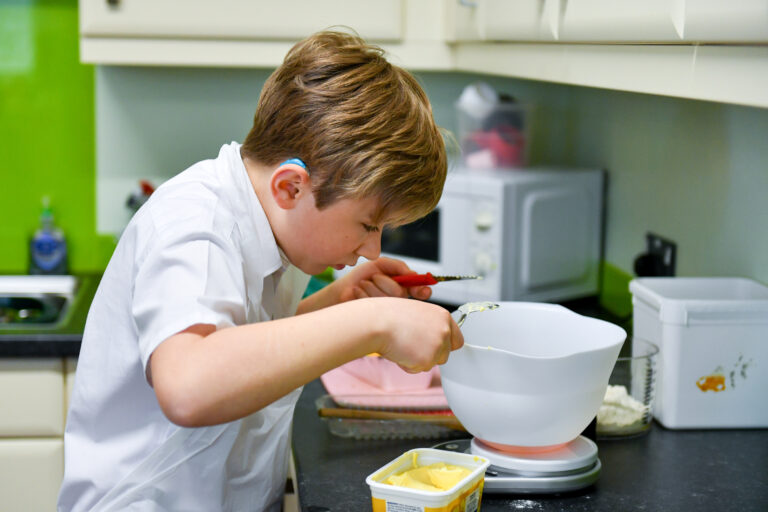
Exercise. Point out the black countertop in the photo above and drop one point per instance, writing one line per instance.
(672, 470)
(715, 470)
(662, 470)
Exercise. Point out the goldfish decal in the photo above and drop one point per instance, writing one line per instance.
(716, 380)
(714, 383)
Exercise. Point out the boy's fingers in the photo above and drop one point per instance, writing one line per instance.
(371, 289)
(420, 292)
(457, 338)
(392, 267)
(408, 370)
(442, 357)
(388, 286)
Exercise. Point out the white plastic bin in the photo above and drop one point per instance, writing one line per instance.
(713, 339)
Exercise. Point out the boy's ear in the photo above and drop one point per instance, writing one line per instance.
(288, 184)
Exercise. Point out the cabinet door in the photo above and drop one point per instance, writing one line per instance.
(502, 20)
(718, 21)
(621, 20)
(31, 397)
(462, 22)
(238, 19)
(31, 471)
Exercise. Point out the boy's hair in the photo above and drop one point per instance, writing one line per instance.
(363, 126)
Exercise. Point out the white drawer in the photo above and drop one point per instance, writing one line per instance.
(31, 398)
(31, 471)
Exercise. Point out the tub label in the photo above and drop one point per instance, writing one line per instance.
(473, 501)
(470, 503)
(399, 507)
(467, 501)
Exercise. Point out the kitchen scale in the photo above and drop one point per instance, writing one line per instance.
(563, 468)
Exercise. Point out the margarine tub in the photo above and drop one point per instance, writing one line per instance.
(429, 480)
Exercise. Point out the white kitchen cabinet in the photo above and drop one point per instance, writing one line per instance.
(665, 47)
(566, 20)
(251, 33)
(502, 20)
(31, 398)
(611, 21)
(31, 471)
(664, 21)
(656, 47)
(462, 22)
(720, 73)
(32, 411)
(621, 20)
(718, 21)
(238, 19)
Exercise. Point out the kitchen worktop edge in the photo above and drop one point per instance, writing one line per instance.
(63, 341)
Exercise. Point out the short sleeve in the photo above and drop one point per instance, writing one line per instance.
(187, 278)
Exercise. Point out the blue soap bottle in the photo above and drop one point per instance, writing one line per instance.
(48, 248)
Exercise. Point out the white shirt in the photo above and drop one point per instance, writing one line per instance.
(200, 251)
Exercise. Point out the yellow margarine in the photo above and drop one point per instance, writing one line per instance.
(434, 477)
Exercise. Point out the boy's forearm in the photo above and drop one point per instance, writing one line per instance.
(231, 373)
(323, 298)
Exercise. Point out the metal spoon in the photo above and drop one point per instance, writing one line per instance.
(474, 307)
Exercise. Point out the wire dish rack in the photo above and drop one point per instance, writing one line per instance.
(360, 417)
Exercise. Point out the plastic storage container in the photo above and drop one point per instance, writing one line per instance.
(712, 335)
(494, 130)
(465, 496)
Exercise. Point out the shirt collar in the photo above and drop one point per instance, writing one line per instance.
(256, 225)
(286, 262)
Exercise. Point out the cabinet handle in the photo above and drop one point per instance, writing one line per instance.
(113, 3)
(468, 3)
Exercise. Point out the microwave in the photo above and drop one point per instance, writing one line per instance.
(532, 235)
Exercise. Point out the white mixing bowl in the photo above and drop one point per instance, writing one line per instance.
(537, 376)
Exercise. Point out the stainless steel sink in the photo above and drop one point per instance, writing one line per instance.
(36, 302)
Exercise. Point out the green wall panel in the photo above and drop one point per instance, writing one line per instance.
(46, 133)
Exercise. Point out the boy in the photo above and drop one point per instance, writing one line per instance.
(192, 359)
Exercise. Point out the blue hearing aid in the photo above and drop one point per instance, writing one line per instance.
(297, 161)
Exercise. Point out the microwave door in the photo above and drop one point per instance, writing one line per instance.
(418, 241)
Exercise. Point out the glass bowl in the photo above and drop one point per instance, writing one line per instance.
(627, 408)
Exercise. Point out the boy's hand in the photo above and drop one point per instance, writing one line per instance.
(416, 335)
(373, 279)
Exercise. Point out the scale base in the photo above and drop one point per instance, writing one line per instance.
(499, 480)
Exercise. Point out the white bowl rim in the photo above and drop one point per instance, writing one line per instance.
(563, 309)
